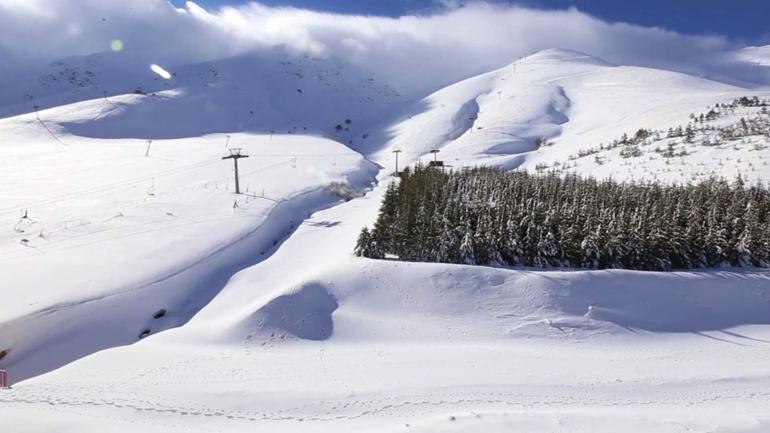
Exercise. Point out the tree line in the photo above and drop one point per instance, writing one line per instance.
(697, 131)
(487, 216)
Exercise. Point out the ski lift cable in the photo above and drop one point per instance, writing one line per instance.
(126, 227)
(127, 235)
(160, 221)
(130, 182)
(108, 187)
(37, 116)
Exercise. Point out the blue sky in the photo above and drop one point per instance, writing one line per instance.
(741, 19)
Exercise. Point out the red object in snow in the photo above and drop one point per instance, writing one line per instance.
(4, 379)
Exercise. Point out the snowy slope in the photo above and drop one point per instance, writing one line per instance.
(121, 225)
(280, 328)
(548, 106)
(387, 346)
(758, 55)
(256, 92)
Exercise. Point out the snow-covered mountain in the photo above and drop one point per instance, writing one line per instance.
(759, 55)
(551, 106)
(111, 238)
(258, 92)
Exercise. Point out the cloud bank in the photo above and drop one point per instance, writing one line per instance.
(411, 52)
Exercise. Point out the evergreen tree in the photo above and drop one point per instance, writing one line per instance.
(467, 255)
(485, 216)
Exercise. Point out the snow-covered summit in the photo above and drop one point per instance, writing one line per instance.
(545, 107)
(561, 55)
(759, 55)
(266, 91)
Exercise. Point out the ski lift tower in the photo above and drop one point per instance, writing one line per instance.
(435, 163)
(396, 152)
(235, 155)
(4, 382)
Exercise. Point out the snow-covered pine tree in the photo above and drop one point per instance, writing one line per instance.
(467, 254)
(486, 216)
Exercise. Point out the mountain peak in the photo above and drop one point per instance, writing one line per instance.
(558, 55)
(755, 54)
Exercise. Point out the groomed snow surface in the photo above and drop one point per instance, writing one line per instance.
(270, 323)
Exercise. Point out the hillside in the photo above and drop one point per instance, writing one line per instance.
(120, 224)
(544, 108)
(269, 320)
(382, 344)
(259, 92)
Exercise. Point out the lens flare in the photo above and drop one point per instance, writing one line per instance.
(166, 75)
(116, 45)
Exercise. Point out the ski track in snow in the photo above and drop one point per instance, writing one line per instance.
(388, 406)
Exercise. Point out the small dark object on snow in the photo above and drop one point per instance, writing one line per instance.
(348, 121)
(3, 353)
(160, 313)
(145, 333)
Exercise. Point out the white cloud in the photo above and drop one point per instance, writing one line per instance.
(411, 51)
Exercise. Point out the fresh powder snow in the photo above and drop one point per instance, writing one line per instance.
(141, 293)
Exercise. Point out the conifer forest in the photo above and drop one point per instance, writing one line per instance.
(489, 217)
